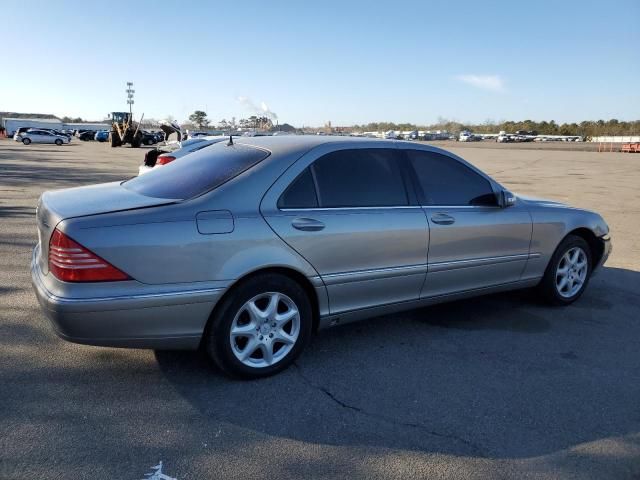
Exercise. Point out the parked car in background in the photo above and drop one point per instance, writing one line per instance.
(20, 131)
(87, 135)
(503, 137)
(62, 132)
(246, 249)
(162, 157)
(468, 137)
(392, 134)
(17, 136)
(149, 138)
(54, 132)
(412, 135)
(102, 136)
(43, 136)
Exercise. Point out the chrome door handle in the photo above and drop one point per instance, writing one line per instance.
(442, 219)
(307, 224)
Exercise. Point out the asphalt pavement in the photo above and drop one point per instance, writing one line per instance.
(494, 387)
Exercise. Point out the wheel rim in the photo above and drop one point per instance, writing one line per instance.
(571, 272)
(265, 330)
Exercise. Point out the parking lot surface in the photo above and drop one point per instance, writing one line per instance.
(495, 387)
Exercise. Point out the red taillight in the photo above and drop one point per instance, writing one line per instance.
(71, 262)
(164, 159)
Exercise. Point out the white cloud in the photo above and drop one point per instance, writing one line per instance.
(493, 83)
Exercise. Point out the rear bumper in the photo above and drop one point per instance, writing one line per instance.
(166, 320)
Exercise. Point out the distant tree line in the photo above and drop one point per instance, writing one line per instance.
(72, 120)
(587, 128)
(200, 120)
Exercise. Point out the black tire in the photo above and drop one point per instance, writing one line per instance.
(26, 141)
(217, 339)
(115, 142)
(58, 142)
(547, 287)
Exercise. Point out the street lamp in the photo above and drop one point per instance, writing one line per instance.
(130, 91)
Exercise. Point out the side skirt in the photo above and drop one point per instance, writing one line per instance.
(356, 315)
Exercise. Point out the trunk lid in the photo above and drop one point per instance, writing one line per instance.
(57, 205)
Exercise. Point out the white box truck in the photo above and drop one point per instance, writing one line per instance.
(12, 124)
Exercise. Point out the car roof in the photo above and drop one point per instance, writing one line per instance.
(282, 145)
(290, 144)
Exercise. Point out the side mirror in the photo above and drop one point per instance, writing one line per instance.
(506, 199)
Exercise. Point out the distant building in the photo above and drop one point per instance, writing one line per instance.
(86, 126)
(12, 124)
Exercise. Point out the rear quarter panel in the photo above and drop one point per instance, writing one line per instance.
(165, 247)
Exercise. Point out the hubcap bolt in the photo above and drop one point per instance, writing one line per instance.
(271, 335)
(261, 337)
(273, 324)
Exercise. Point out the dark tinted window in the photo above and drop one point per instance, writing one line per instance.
(359, 178)
(301, 193)
(198, 172)
(446, 181)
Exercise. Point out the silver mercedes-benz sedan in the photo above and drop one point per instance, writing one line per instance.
(247, 247)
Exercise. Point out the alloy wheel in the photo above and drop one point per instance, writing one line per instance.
(571, 272)
(265, 329)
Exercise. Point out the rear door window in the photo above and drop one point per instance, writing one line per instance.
(360, 178)
(198, 172)
(301, 193)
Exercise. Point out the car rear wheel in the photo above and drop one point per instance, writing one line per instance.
(58, 142)
(568, 272)
(26, 141)
(260, 328)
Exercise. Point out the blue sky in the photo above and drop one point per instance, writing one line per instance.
(310, 62)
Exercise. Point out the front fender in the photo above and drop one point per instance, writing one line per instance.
(551, 223)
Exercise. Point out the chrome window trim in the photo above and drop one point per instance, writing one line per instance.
(496, 207)
(466, 207)
(413, 207)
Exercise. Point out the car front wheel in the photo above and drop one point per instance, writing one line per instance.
(260, 328)
(568, 272)
(26, 141)
(58, 142)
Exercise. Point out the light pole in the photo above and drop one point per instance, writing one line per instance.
(130, 91)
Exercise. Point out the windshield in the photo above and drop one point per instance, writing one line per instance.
(198, 172)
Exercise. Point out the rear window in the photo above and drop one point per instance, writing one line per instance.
(198, 172)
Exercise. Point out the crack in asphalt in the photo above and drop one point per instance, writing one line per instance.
(383, 418)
